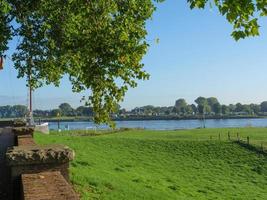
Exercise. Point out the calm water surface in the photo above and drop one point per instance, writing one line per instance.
(166, 124)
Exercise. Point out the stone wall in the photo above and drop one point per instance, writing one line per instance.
(35, 159)
(4, 124)
(11, 123)
(28, 160)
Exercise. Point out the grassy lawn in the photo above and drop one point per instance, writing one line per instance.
(180, 165)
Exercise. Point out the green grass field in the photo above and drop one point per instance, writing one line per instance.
(190, 164)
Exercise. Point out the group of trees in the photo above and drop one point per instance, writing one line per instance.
(13, 111)
(207, 106)
(64, 109)
(203, 106)
(211, 105)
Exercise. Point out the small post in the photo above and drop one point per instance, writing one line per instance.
(248, 140)
(58, 122)
(229, 137)
(219, 136)
(58, 125)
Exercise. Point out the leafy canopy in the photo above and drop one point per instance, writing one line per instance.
(99, 44)
(242, 14)
(5, 28)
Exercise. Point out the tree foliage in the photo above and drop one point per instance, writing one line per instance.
(66, 109)
(242, 14)
(5, 28)
(181, 105)
(13, 111)
(99, 44)
(264, 106)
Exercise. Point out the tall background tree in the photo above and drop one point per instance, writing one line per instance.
(202, 105)
(181, 106)
(214, 104)
(263, 106)
(66, 109)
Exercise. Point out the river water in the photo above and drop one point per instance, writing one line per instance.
(165, 124)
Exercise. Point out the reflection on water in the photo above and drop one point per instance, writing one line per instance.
(165, 124)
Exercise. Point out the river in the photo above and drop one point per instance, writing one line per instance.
(165, 124)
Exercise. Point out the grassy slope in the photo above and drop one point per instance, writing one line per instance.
(166, 165)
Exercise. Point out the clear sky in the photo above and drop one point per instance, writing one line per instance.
(196, 56)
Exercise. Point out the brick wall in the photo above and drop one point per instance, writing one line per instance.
(46, 185)
(25, 140)
(39, 172)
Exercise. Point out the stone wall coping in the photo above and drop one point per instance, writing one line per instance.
(23, 127)
(24, 136)
(24, 130)
(37, 154)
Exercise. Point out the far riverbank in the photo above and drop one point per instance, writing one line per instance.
(146, 118)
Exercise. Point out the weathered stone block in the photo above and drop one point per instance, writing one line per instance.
(23, 131)
(19, 123)
(28, 155)
(35, 159)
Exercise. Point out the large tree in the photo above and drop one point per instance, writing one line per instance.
(263, 106)
(255, 108)
(66, 109)
(202, 105)
(84, 111)
(181, 105)
(217, 108)
(99, 44)
(213, 103)
(225, 110)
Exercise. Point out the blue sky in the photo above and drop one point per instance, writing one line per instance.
(196, 56)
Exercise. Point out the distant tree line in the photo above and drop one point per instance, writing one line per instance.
(211, 106)
(202, 106)
(64, 109)
(13, 111)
